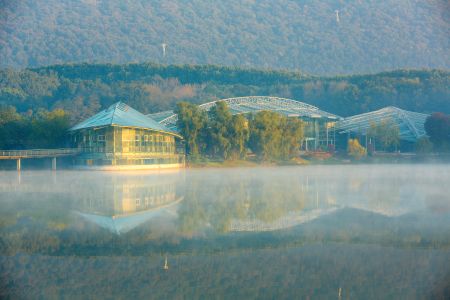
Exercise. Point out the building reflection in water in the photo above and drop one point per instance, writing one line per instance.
(121, 202)
(269, 203)
(196, 202)
(287, 221)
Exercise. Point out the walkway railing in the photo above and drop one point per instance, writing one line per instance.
(37, 153)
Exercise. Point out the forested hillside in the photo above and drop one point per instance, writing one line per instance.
(317, 37)
(82, 90)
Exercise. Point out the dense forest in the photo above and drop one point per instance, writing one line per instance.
(318, 37)
(84, 89)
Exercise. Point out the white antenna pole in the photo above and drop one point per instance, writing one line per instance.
(337, 16)
(164, 45)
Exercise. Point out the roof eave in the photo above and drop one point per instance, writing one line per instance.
(128, 126)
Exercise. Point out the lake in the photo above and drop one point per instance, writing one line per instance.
(310, 232)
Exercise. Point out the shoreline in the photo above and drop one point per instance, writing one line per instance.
(332, 160)
(306, 160)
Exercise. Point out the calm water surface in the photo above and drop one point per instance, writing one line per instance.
(317, 232)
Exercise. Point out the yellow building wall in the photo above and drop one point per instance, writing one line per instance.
(125, 146)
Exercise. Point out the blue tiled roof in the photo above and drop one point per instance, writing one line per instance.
(120, 114)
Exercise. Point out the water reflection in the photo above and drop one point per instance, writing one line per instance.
(205, 202)
(273, 199)
(250, 233)
(122, 203)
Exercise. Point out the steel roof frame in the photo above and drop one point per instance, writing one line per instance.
(242, 105)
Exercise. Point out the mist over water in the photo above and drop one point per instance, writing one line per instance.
(372, 231)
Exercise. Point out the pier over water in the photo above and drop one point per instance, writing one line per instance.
(18, 155)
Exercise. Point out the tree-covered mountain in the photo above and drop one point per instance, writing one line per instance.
(318, 37)
(82, 90)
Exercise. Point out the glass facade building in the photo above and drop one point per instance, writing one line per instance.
(121, 137)
(319, 124)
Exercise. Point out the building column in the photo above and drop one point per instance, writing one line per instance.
(54, 163)
(18, 164)
(334, 136)
(316, 134)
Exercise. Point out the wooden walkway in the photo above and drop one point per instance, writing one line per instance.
(37, 153)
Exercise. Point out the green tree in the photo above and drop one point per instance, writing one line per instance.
(43, 130)
(191, 122)
(274, 136)
(265, 135)
(14, 129)
(437, 127)
(8, 114)
(386, 132)
(49, 129)
(293, 134)
(239, 135)
(219, 130)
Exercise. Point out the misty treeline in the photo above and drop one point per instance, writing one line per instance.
(221, 135)
(79, 91)
(82, 90)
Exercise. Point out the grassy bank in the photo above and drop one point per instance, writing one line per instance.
(322, 159)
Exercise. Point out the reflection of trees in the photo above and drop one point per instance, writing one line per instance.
(385, 199)
(211, 204)
(192, 214)
(217, 200)
(274, 199)
(380, 193)
(214, 203)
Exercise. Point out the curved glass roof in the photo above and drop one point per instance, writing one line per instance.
(120, 114)
(252, 104)
(290, 220)
(411, 124)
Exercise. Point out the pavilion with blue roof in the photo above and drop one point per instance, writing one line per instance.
(120, 137)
